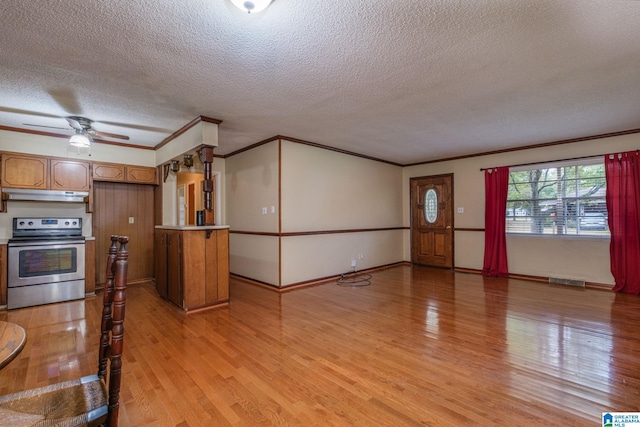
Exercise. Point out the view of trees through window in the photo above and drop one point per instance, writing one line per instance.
(566, 199)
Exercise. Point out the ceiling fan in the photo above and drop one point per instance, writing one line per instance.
(84, 131)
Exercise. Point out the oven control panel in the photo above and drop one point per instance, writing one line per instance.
(46, 227)
(26, 224)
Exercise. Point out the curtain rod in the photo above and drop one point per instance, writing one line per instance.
(550, 161)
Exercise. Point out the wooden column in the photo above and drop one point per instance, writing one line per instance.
(205, 154)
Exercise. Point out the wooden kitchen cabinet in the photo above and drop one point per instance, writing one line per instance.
(168, 265)
(44, 173)
(192, 266)
(25, 171)
(70, 175)
(108, 172)
(160, 262)
(141, 174)
(175, 267)
(124, 173)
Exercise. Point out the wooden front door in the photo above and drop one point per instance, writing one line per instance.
(432, 221)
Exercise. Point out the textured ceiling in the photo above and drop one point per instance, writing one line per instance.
(403, 80)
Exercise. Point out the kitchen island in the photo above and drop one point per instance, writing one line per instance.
(192, 265)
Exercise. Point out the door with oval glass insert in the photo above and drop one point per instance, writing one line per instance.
(432, 220)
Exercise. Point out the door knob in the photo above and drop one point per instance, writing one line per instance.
(448, 227)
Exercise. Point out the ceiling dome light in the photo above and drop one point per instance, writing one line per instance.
(252, 6)
(80, 140)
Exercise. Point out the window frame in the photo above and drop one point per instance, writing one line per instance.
(576, 221)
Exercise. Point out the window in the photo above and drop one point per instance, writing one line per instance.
(566, 198)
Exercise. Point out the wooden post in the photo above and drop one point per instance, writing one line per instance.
(205, 154)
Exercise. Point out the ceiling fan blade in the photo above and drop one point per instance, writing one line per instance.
(74, 123)
(107, 134)
(43, 126)
(66, 98)
(27, 112)
(138, 127)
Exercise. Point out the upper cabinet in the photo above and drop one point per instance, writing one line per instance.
(69, 175)
(108, 172)
(124, 173)
(24, 171)
(141, 175)
(42, 173)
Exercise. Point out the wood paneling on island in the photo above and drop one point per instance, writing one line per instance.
(192, 266)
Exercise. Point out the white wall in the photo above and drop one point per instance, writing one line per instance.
(320, 190)
(327, 190)
(566, 257)
(251, 183)
(323, 190)
(312, 257)
(59, 147)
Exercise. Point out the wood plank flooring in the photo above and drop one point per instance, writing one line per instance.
(419, 346)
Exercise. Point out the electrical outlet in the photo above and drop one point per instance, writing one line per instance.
(131, 220)
(264, 210)
(360, 256)
(353, 263)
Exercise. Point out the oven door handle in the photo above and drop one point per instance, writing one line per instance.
(45, 243)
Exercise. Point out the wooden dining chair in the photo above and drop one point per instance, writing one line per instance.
(90, 400)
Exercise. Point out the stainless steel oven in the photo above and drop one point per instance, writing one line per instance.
(46, 259)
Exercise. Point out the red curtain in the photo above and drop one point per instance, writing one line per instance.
(623, 206)
(496, 184)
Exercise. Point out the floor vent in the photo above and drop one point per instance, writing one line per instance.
(568, 282)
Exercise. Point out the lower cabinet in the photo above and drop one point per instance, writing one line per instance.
(192, 267)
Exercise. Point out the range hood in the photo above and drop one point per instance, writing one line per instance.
(44, 195)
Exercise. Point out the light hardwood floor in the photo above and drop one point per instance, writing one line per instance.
(419, 346)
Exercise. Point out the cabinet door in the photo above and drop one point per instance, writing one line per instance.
(141, 174)
(23, 171)
(194, 274)
(69, 175)
(160, 247)
(174, 267)
(108, 172)
(223, 264)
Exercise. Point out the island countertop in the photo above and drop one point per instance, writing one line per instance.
(192, 227)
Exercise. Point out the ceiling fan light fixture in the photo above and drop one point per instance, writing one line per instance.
(80, 140)
(252, 6)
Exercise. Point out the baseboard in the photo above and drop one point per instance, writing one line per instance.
(538, 279)
(313, 282)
